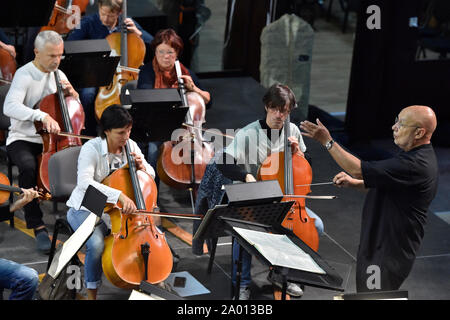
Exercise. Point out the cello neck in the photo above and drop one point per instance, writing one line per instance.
(5, 187)
(62, 103)
(288, 174)
(139, 198)
(181, 86)
(123, 37)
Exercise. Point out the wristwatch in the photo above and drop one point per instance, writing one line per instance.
(329, 144)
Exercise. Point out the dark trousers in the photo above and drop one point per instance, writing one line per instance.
(87, 99)
(24, 155)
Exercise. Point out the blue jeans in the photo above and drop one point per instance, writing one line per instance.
(21, 279)
(246, 277)
(94, 248)
(87, 99)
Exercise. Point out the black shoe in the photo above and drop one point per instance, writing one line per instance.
(43, 242)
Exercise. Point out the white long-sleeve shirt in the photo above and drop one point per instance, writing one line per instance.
(94, 167)
(28, 87)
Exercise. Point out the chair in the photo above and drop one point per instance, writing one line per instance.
(62, 174)
(4, 126)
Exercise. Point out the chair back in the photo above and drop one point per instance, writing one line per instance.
(4, 120)
(62, 172)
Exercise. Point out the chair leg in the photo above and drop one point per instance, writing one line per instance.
(11, 198)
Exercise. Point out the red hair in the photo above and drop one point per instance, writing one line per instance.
(169, 37)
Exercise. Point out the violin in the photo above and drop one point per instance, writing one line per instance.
(135, 250)
(131, 49)
(66, 15)
(294, 175)
(6, 189)
(69, 114)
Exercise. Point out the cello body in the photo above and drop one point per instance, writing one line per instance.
(122, 260)
(8, 66)
(62, 14)
(69, 114)
(182, 163)
(297, 220)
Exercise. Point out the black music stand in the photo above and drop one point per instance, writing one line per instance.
(156, 114)
(221, 220)
(26, 13)
(87, 63)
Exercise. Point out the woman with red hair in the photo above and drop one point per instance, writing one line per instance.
(160, 73)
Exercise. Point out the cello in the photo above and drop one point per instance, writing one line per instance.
(294, 177)
(66, 15)
(69, 114)
(182, 163)
(135, 250)
(131, 48)
(8, 67)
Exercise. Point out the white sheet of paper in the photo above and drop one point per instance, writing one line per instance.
(72, 245)
(192, 287)
(280, 250)
(136, 295)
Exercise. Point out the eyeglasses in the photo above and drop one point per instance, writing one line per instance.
(275, 109)
(399, 124)
(164, 52)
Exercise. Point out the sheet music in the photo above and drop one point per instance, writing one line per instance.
(72, 245)
(280, 250)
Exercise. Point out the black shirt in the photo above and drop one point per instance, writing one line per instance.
(395, 209)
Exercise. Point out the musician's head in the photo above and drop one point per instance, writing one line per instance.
(109, 11)
(167, 46)
(414, 126)
(48, 49)
(279, 101)
(115, 124)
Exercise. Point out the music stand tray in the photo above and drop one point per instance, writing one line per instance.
(156, 114)
(87, 63)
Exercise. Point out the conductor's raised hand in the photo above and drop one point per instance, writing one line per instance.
(317, 131)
